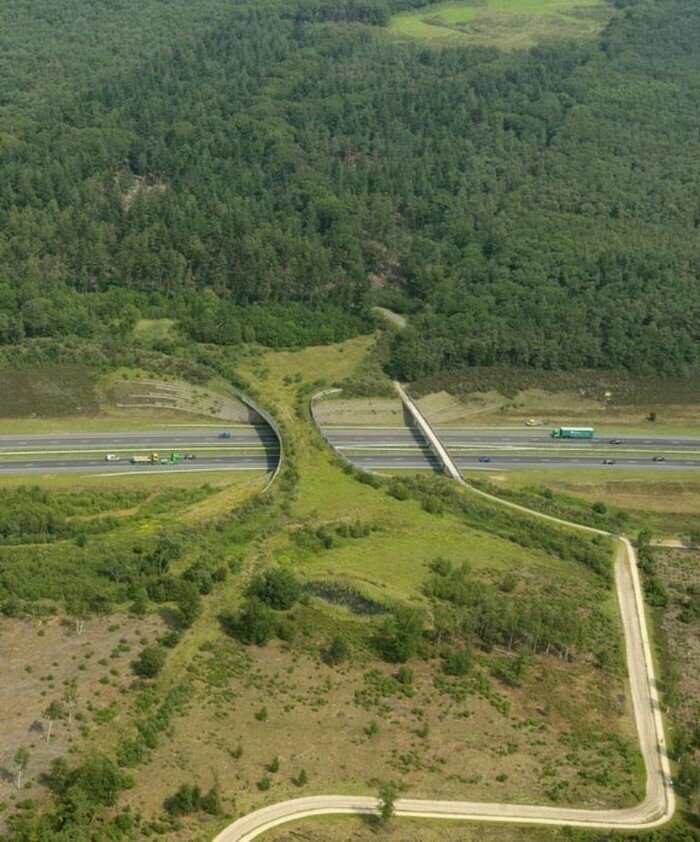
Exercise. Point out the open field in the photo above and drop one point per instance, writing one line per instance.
(668, 504)
(677, 631)
(320, 719)
(508, 24)
(40, 658)
(155, 481)
(148, 331)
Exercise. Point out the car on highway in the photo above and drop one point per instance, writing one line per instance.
(189, 456)
(659, 459)
(224, 435)
(111, 457)
(608, 461)
(484, 458)
(615, 441)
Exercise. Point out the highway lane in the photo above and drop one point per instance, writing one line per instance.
(229, 462)
(406, 448)
(370, 436)
(426, 461)
(138, 441)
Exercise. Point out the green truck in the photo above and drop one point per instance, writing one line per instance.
(572, 433)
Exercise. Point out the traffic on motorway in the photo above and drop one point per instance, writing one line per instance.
(246, 448)
(405, 448)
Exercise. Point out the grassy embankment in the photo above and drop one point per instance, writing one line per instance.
(507, 24)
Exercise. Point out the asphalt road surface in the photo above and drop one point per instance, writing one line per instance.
(230, 462)
(377, 449)
(424, 460)
(369, 436)
(137, 442)
(247, 449)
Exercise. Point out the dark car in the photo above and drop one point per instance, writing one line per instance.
(189, 456)
(224, 435)
(608, 461)
(659, 459)
(615, 441)
(484, 458)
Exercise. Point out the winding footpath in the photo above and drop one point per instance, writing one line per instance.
(658, 805)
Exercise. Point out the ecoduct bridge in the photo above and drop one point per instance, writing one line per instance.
(658, 805)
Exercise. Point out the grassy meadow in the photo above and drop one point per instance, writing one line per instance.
(507, 24)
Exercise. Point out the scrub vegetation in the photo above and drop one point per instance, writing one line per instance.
(278, 622)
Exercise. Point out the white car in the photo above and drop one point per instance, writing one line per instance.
(111, 457)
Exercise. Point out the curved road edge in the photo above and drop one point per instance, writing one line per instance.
(659, 803)
(271, 423)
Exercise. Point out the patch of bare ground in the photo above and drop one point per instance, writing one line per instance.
(679, 569)
(259, 716)
(41, 660)
(138, 185)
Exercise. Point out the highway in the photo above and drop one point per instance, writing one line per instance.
(423, 460)
(248, 449)
(137, 441)
(230, 462)
(354, 436)
(406, 449)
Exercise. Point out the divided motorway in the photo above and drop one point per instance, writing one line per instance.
(248, 448)
(375, 448)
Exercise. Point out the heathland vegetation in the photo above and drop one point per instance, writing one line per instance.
(269, 619)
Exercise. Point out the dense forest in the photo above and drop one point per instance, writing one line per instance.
(298, 163)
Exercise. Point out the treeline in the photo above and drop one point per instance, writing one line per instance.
(516, 203)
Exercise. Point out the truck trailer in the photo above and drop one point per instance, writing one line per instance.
(154, 459)
(572, 433)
